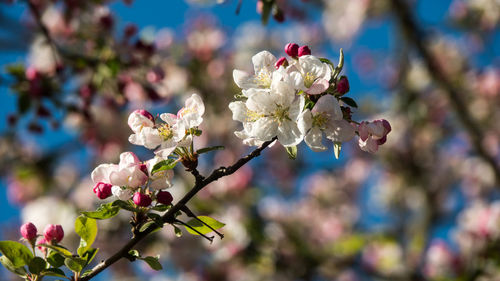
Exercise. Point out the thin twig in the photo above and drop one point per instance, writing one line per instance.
(455, 97)
(169, 216)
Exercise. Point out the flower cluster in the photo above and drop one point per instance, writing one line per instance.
(299, 99)
(52, 234)
(131, 178)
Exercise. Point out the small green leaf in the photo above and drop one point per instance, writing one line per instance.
(266, 10)
(292, 151)
(59, 249)
(105, 211)
(146, 225)
(55, 259)
(8, 264)
(208, 149)
(53, 272)
(337, 146)
(177, 231)
(126, 205)
(153, 262)
(17, 70)
(36, 265)
(161, 207)
(90, 254)
(340, 65)
(23, 103)
(134, 253)
(167, 164)
(202, 228)
(75, 264)
(18, 254)
(349, 101)
(86, 228)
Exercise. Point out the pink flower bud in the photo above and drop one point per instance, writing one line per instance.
(292, 49)
(387, 126)
(145, 113)
(343, 85)
(164, 197)
(31, 73)
(130, 30)
(102, 190)
(304, 50)
(281, 62)
(53, 233)
(28, 231)
(141, 199)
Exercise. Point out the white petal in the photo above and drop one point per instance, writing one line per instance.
(244, 80)
(289, 134)
(263, 102)
(264, 60)
(314, 139)
(328, 104)
(101, 173)
(122, 194)
(239, 110)
(265, 129)
(340, 131)
(128, 159)
(305, 121)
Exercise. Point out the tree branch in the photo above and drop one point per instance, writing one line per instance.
(416, 36)
(169, 216)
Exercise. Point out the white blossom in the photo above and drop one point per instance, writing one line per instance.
(311, 75)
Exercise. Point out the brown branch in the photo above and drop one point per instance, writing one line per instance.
(169, 216)
(416, 36)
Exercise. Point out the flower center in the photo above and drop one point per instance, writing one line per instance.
(319, 120)
(253, 116)
(166, 132)
(309, 79)
(263, 79)
(186, 110)
(281, 113)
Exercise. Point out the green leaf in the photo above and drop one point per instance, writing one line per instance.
(153, 262)
(23, 103)
(59, 249)
(146, 225)
(337, 146)
(208, 149)
(105, 211)
(178, 231)
(75, 264)
(202, 228)
(349, 101)
(90, 254)
(167, 164)
(292, 152)
(8, 264)
(126, 205)
(18, 254)
(17, 70)
(340, 65)
(86, 228)
(161, 207)
(36, 265)
(54, 272)
(134, 253)
(266, 10)
(55, 259)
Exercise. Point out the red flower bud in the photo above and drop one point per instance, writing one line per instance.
(53, 233)
(343, 85)
(164, 197)
(141, 199)
(281, 62)
(292, 49)
(102, 190)
(28, 231)
(303, 51)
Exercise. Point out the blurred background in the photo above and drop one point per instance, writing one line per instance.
(425, 207)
